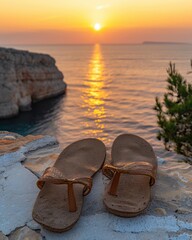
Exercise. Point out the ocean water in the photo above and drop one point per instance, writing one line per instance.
(111, 90)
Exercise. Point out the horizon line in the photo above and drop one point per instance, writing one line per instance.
(61, 44)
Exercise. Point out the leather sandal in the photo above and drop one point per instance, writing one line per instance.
(132, 172)
(63, 186)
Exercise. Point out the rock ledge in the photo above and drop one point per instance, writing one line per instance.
(23, 160)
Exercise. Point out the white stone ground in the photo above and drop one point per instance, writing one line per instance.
(169, 216)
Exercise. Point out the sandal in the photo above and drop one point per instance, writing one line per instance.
(132, 172)
(59, 203)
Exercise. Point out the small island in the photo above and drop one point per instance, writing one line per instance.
(164, 43)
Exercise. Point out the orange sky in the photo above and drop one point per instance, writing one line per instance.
(122, 21)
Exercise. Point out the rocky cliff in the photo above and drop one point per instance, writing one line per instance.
(26, 77)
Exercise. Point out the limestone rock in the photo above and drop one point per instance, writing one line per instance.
(3, 237)
(160, 211)
(173, 188)
(38, 162)
(171, 196)
(34, 225)
(107, 226)
(25, 233)
(25, 78)
(14, 149)
(9, 135)
(18, 192)
(18, 189)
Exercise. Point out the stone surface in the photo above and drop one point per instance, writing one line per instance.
(26, 77)
(15, 150)
(169, 216)
(18, 189)
(33, 225)
(39, 160)
(173, 188)
(160, 211)
(25, 233)
(18, 192)
(106, 226)
(3, 237)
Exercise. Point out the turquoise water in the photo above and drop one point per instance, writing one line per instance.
(111, 90)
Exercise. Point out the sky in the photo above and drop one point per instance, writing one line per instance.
(73, 21)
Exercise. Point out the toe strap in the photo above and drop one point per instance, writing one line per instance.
(132, 168)
(55, 176)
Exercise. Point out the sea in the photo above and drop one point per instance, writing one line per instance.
(111, 90)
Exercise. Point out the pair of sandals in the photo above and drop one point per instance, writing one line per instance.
(132, 172)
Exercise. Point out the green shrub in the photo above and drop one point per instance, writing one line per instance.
(174, 114)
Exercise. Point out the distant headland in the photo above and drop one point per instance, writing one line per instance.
(170, 43)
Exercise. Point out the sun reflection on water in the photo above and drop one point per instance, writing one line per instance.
(94, 95)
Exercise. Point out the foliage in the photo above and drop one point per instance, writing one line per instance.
(174, 114)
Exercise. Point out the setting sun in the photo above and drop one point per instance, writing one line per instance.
(97, 27)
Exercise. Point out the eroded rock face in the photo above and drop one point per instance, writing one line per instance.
(25, 78)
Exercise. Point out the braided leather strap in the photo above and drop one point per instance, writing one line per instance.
(132, 168)
(55, 176)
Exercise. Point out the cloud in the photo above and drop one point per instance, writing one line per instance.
(100, 7)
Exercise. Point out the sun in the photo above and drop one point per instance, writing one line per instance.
(97, 26)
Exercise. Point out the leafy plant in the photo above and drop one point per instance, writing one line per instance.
(174, 114)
